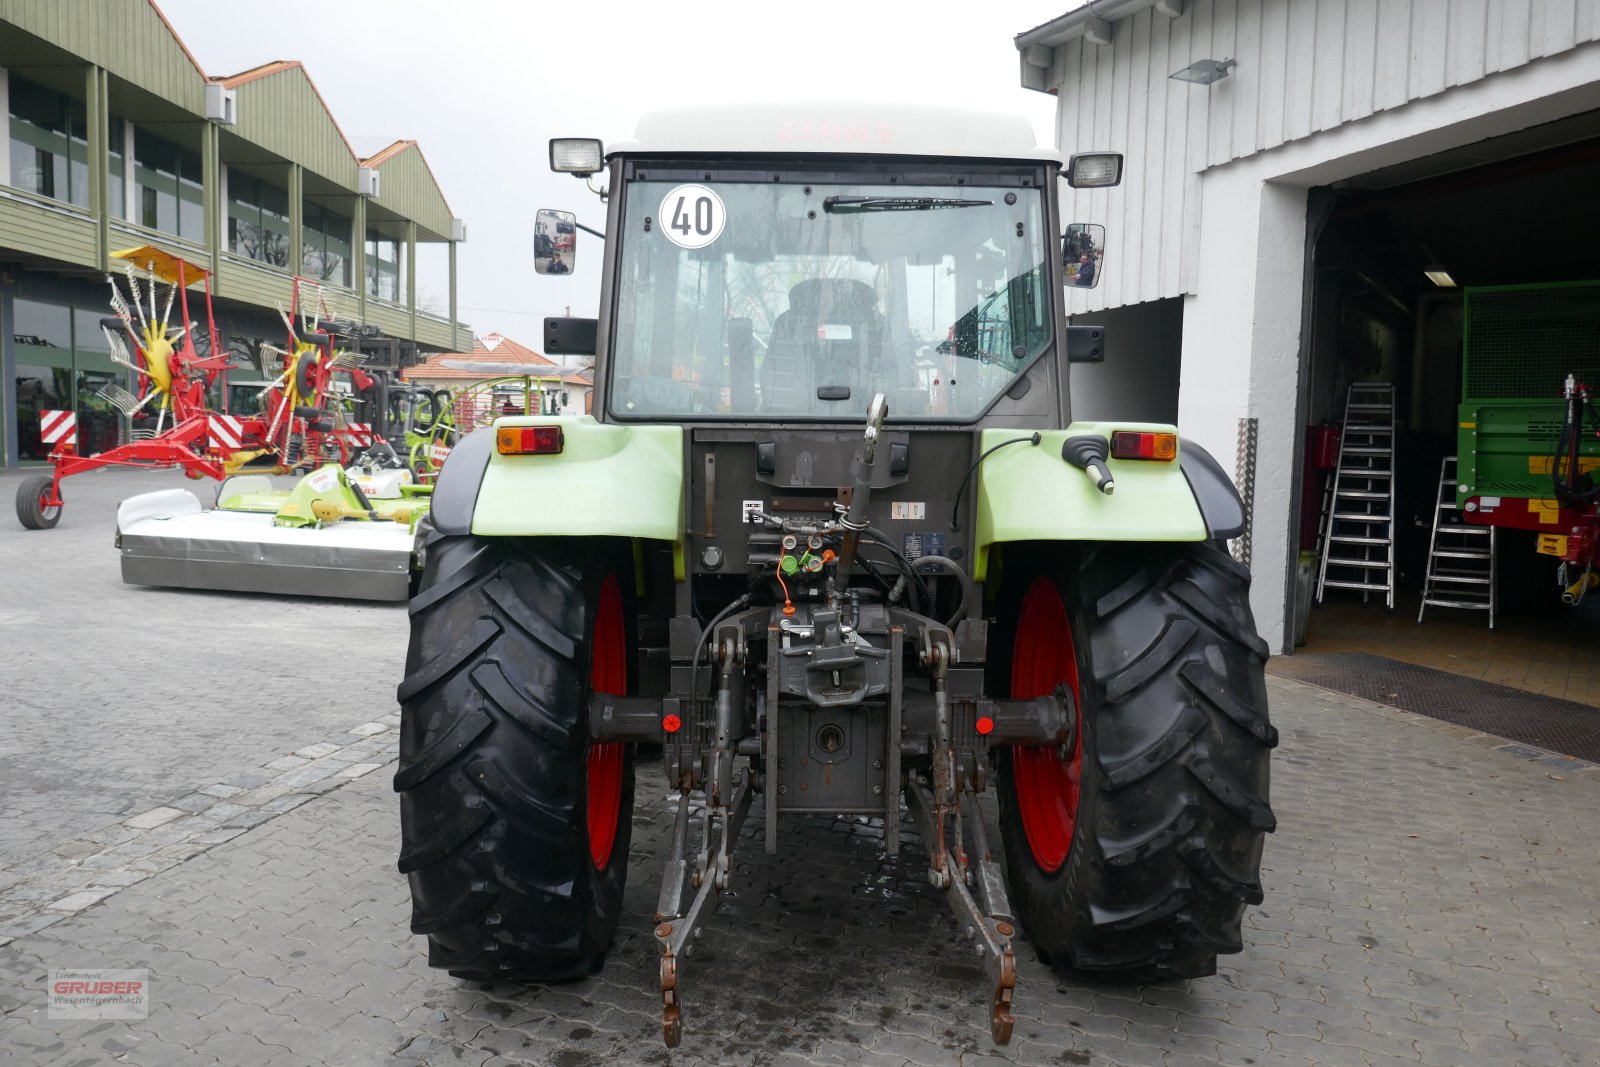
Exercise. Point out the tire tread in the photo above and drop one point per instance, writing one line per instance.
(1171, 827)
(493, 760)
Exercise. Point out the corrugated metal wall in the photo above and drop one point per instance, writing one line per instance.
(282, 113)
(126, 37)
(45, 230)
(1303, 66)
(407, 188)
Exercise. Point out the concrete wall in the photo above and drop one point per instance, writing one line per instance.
(1138, 382)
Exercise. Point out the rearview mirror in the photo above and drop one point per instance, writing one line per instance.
(555, 241)
(1083, 249)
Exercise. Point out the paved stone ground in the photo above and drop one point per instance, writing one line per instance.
(1431, 898)
(119, 698)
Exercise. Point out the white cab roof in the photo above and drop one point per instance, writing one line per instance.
(833, 128)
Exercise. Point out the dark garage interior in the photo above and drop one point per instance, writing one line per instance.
(1517, 210)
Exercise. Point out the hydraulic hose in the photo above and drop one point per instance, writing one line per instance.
(954, 568)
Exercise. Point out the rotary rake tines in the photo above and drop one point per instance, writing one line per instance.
(344, 360)
(166, 308)
(136, 297)
(288, 324)
(119, 304)
(121, 399)
(330, 311)
(119, 351)
(314, 311)
(273, 358)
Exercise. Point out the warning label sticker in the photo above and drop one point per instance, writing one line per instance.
(908, 509)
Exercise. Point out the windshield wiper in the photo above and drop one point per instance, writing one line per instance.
(896, 203)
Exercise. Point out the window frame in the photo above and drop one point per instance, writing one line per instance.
(956, 174)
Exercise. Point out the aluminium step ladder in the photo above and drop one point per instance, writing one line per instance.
(1358, 548)
(1461, 566)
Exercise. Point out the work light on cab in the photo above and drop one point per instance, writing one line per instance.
(528, 440)
(1134, 444)
(576, 155)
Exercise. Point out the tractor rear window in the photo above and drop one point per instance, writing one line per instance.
(790, 300)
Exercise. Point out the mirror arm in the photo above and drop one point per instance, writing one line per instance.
(586, 229)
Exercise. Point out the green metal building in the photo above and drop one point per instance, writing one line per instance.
(117, 138)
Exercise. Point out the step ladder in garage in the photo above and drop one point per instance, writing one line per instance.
(1358, 550)
(1461, 569)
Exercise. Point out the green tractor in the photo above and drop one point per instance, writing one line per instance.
(833, 539)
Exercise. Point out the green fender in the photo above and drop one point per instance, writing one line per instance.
(1029, 493)
(607, 481)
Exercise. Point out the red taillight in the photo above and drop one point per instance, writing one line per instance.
(671, 723)
(985, 725)
(1133, 444)
(528, 440)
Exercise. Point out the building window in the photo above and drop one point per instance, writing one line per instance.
(115, 199)
(386, 269)
(325, 245)
(49, 143)
(63, 361)
(258, 219)
(168, 191)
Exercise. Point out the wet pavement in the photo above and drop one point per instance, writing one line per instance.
(198, 785)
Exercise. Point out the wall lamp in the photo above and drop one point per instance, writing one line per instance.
(1204, 71)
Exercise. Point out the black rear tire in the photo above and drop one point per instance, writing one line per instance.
(32, 511)
(1173, 806)
(495, 758)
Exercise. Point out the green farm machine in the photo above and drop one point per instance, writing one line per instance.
(833, 539)
(1529, 431)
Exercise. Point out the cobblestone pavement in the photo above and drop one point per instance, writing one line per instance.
(120, 698)
(1430, 899)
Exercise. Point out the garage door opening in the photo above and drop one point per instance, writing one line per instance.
(1507, 231)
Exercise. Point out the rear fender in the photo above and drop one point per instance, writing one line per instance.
(607, 481)
(1032, 494)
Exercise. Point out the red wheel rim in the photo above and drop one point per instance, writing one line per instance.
(1048, 787)
(608, 673)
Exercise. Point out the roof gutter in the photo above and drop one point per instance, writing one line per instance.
(1092, 22)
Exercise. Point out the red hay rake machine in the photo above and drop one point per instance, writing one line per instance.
(304, 421)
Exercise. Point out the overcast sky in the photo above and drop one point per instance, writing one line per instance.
(484, 84)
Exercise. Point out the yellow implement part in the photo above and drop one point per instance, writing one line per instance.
(158, 358)
(1552, 545)
(163, 265)
(1541, 464)
(328, 511)
(232, 464)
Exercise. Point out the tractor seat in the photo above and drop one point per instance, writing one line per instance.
(830, 333)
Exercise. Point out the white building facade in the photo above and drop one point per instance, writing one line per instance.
(1207, 272)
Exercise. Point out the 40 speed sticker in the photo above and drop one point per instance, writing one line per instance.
(692, 216)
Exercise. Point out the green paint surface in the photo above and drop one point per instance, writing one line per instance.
(1029, 493)
(608, 481)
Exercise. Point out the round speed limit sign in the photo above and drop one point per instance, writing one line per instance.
(692, 216)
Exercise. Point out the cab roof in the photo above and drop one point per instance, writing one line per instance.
(833, 129)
